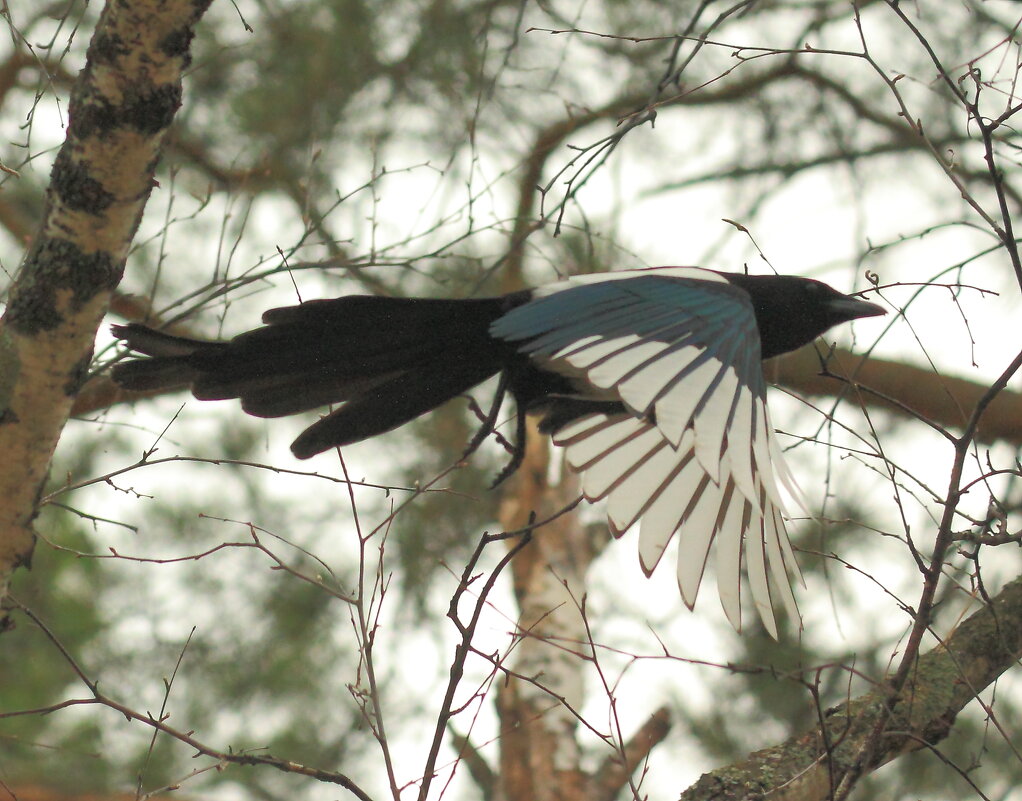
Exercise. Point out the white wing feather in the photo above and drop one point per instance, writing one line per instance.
(641, 389)
(636, 490)
(590, 354)
(674, 409)
(629, 461)
(610, 372)
(601, 476)
(695, 536)
(739, 450)
(729, 556)
(664, 515)
(711, 424)
(602, 440)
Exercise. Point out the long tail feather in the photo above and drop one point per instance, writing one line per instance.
(172, 364)
(391, 404)
(388, 360)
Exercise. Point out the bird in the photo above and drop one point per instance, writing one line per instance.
(650, 379)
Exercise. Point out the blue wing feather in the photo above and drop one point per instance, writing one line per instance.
(714, 316)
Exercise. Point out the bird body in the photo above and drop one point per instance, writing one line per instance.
(650, 379)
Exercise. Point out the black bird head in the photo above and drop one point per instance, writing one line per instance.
(793, 311)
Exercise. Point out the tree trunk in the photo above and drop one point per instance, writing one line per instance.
(120, 109)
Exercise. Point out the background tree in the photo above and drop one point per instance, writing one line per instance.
(226, 600)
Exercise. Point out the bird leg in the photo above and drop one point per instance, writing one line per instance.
(517, 451)
(489, 422)
(489, 425)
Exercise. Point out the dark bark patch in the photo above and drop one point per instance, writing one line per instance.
(92, 119)
(152, 111)
(76, 187)
(60, 265)
(78, 375)
(107, 48)
(33, 310)
(176, 44)
(24, 559)
(147, 110)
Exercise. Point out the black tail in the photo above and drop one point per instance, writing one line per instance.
(388, 359)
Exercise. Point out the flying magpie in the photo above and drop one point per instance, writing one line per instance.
(650, 379)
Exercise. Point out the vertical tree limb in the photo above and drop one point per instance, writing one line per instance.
(120, 109)
(540, 755)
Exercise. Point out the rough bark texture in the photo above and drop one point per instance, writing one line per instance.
(811, 765)
(120, 109)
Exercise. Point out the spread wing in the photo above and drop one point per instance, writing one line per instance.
(694, 454)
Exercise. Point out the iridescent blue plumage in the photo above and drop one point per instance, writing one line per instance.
(715, 316)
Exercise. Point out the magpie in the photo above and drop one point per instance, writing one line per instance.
(650, 379)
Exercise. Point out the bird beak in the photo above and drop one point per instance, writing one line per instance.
(848, 308)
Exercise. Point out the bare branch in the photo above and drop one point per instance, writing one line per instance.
(940, 684)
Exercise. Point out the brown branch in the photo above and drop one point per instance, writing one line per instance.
(939, 399)
(941, 684)
(553, 136)
(942, 400)
(612, 776)
(100, 392)
(478, 768)
(20, 59)
(41, 792)
(792, 167)
(16, 220)
(254, 179)
(538, 724)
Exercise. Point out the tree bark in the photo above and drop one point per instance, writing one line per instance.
(539, 755)
(119, 111)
